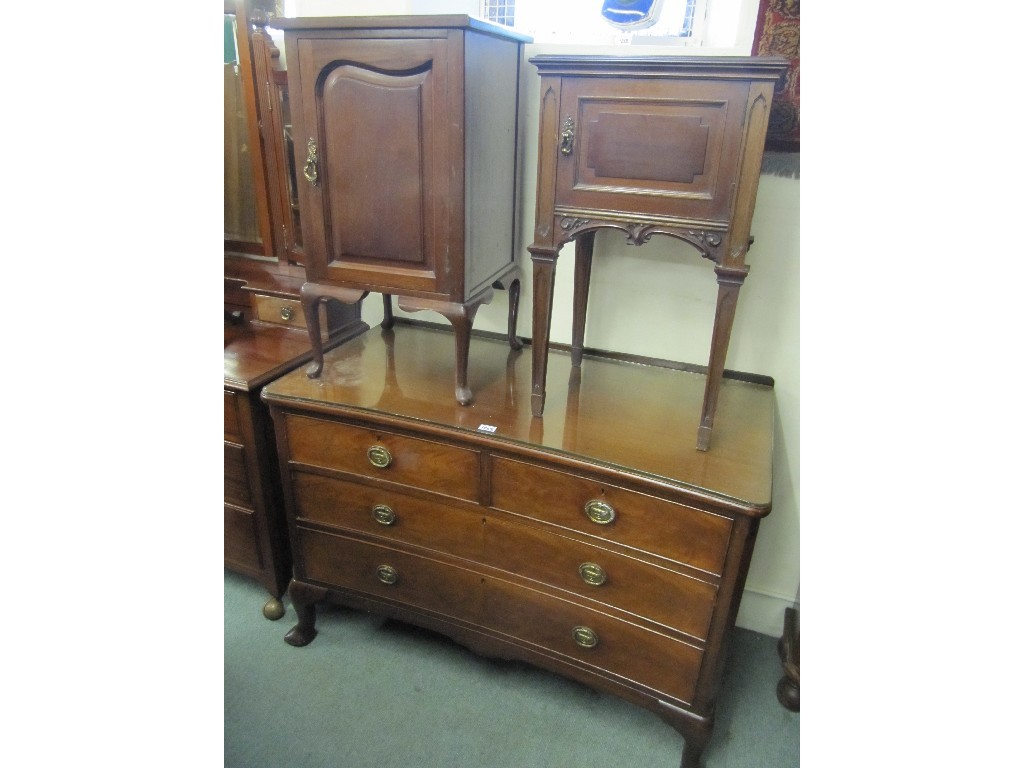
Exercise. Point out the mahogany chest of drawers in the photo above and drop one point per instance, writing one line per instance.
(590, 543)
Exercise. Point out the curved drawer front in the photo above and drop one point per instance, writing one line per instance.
(634, 653)
(387, 513)
(673, 531)
(410, 461)
(656, 593)
(383, 572)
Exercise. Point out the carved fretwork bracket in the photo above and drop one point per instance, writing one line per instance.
(637, 233)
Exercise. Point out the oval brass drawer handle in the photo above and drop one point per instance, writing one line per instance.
(379, 456)
(593, 574)
(387, 574)
(584, 637)
(384, 514)
(599, 512)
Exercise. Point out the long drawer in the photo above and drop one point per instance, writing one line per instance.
(541, 622)
(385, 456)
(644, 523)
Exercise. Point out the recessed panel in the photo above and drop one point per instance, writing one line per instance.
(373, 126)
(645, 146)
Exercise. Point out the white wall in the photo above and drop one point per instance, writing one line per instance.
(664, 298)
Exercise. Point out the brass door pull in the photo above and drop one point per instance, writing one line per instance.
(568, 136)
(309, 170)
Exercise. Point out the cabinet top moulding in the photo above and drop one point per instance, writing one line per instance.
(418, 23)
(722, 67)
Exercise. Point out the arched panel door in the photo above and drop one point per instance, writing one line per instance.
(373, 150)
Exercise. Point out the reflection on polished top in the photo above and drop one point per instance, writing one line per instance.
(635, 418)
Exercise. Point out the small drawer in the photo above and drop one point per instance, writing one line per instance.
(271, 309)
(595, 639)
(408, 461)
(236, 479)
(241, 550)
(380, 571)
(388, 513)
(232, 430)
(646, 523)
(659, 594)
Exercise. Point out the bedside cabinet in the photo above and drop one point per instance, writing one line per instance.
(405, 133)
(590, 543)
(653, 145)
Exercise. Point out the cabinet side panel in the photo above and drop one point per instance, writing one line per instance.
(492, 87)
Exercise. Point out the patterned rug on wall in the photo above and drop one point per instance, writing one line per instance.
(778, 34)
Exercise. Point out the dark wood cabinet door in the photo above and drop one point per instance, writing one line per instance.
(672, 146)
(373, 149)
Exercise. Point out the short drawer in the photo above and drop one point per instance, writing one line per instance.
(241, 544)
(409, 461)
(236, 479)
(380, 571)
(656, 593)
(232, 430)
(591, 638)
(271, 309)
(388, 513)
(646, 523)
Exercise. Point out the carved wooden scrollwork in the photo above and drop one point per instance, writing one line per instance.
(637, 233)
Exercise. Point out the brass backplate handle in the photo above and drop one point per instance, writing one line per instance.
(387, 574)
(584, 637)
(379, 456)
(593, 574)
(384, 514)
(309, 170)
(568, 136)
(599, 512)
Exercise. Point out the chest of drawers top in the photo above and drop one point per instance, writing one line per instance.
(622, 419)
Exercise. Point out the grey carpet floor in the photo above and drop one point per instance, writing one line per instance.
(372, 693)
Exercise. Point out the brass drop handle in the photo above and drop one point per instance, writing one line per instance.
(593, 574)
(568, 136)
(379, 456)
(384, 514)
(287, 313)
(599, 512)
(387, 574)
(584, 637)
(309, 170)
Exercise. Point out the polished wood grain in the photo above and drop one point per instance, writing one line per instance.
(400, 377)
(485, 533)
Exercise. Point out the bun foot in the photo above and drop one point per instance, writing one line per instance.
(274, 609)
